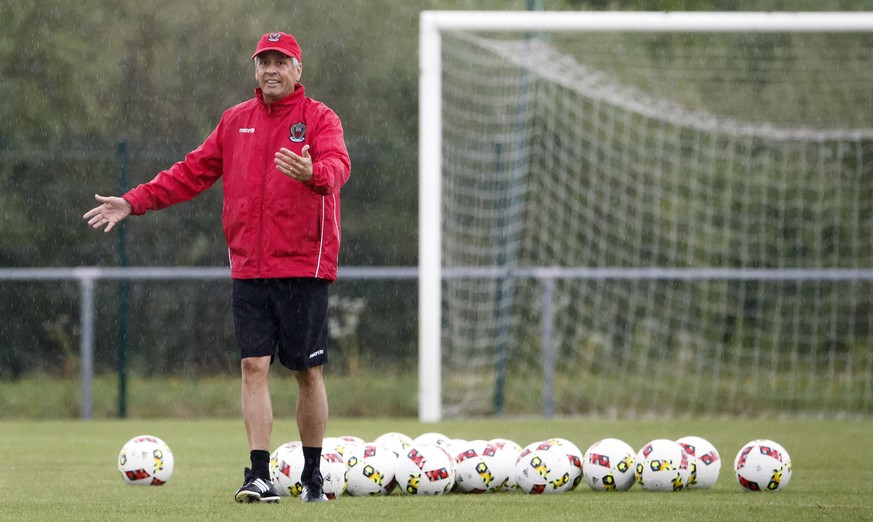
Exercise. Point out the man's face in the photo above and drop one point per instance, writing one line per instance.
(276, 74)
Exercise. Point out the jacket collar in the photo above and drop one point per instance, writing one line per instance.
(287, 102)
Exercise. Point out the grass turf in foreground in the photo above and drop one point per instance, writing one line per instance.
(67, 470)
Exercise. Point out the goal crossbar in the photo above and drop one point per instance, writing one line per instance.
(607, 21)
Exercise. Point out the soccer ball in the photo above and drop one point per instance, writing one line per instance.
(707, 462)
(542, 468)
(662, 465)
(333, 471)
(453, 446)
(286, 470)
(507, 454)
(145, 461)
(609, 465)
(333, 444)
(286, 467)
(339, 444)
(425, 469)
(763, 465)
(395, 441)
(478, 469)
(352, 440)
(347, 442)
(574, 455)
(432, 437)
(370, 470)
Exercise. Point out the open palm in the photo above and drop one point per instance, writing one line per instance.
(111, 210)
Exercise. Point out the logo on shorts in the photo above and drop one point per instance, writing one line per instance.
(298, 132)
(316, 354)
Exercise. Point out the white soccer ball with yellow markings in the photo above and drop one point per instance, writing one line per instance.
(608, 465)
(507, 455)
(763, 465)
(706, 461)
(574, 456)
(433, 437)
(145, 460)
(286, 468)
(542, 468)
(424, 470)
(662, 465)
(370, 470)
(478, 469)
(334, 472)
(395, 441)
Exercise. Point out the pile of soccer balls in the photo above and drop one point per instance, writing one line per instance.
(433, 464)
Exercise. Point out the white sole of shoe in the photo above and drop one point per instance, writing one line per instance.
(249, 497)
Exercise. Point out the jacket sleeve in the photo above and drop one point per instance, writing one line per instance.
(181, 182)
(331, 165)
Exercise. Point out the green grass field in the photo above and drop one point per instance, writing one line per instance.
(66, 470)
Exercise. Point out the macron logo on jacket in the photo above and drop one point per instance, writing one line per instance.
(247, 130)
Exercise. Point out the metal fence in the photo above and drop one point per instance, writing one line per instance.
(88, 276)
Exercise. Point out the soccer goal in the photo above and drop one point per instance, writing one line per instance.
(627, 214)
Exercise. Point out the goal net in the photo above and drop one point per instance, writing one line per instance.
(662, 219)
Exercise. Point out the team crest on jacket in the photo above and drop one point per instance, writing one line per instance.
(298, 132)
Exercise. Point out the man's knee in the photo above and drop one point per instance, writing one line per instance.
(310, 376)
(255, 366)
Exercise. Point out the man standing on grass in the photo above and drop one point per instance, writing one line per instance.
(282, 161)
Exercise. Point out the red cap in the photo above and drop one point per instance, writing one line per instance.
(282, 42)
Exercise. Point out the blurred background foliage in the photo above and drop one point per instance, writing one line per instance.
(78, 77)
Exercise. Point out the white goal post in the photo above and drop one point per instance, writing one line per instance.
(432, 271)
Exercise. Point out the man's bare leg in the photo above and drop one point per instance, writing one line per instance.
(311, 406)
(257, 408)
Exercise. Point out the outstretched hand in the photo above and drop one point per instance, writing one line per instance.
(111, 211)
(294, 166)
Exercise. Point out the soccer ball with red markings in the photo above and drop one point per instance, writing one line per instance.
(662, 465)
(370, 470)
(543, 467)
(574, 456)
(424, 469)
(706, 460)
(333, 471)
(432, 437)
(145, 461)
(507, 454)
(337, 444)
(608, 465)
(479, 469)
(395, 441)
(763, 465)
(286, 468)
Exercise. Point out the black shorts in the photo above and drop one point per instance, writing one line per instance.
(287, 317)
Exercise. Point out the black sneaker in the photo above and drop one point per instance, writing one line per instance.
(312, 490)
(256, 490)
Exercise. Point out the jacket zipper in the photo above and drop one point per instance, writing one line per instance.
(262, 205)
